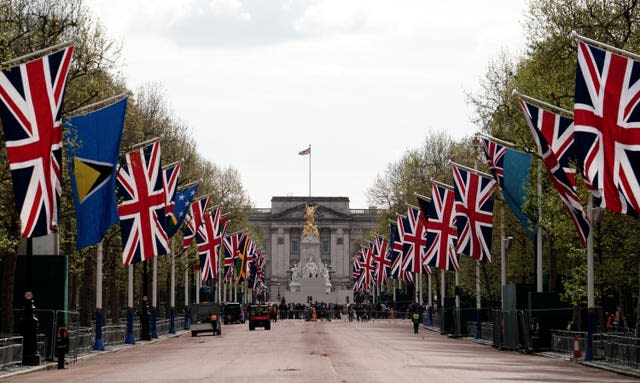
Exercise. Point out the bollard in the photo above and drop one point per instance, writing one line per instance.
(577, 352)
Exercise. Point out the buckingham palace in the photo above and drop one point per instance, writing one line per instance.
(339, 227)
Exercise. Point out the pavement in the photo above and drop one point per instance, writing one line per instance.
(18, 369)
(600, 364)
(13, 370)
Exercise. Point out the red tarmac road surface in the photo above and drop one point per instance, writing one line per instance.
(306, 352)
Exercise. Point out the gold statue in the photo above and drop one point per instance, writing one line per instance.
(310, 229)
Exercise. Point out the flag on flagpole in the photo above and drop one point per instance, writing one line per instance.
(510, 168)
(606, 119)
(181, 208)
(553, 135)
(441, 232)
(31, 107)
(142, 208)
(92, 167)
(305, 151)
(473, 213)
(170, 176)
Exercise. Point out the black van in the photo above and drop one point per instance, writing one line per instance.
(232, 313)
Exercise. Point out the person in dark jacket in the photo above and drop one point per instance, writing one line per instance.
(62, 344)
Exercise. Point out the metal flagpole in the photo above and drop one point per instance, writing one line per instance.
(172, 301)
(591, 301)
(442, 293)
(154, 297)
(478, 287)
(186, 298)
(503, 258)
(430, 320)
(42, 52)
(539, 235)
(420, 283)
(129, 339)
(99, 344)
(309, 170)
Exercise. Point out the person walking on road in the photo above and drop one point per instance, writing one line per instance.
(415, 318)
(62, 345)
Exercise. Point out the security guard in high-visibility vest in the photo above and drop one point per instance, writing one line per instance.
(62, 344)
(415, 318)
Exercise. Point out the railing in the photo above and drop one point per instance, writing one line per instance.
(486, 330)
(613, 348)
(10, 350)
(81, 339)
(367, 211)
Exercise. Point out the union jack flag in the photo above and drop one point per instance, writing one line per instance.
(141, 212)
(607, 118)
(32, 94)
(232, 243)
(413, 232)
(356, 272)
(194, 220)
(396, 254)
(256, 279)
(249, 256)
(381, 258)
(367, 267)
(473, 213)
(442, 234)
(170, 175)
(209, 239)
(554, 138)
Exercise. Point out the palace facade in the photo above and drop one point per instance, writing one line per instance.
(340, 230)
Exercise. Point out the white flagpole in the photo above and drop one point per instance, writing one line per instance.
(309, 170)
(503, 259)
(539, 235)
(99, 344)
(591, 299)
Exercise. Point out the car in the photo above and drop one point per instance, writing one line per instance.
(205, 317)
(232, 313)
(259, 316)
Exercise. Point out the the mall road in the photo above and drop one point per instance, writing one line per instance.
(323, 352)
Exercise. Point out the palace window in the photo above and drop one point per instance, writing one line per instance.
(295, 246)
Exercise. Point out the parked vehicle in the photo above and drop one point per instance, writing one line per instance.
(232, 313)
(259, 316)
(205, 317)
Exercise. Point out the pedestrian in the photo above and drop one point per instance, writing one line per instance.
(415, 318)
(62, 344)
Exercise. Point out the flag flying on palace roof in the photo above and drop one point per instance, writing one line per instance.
(32, 94)
(92, 167)
(141, 211)
(607, 121)
(305, 151)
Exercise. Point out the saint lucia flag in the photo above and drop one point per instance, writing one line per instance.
(92, 158)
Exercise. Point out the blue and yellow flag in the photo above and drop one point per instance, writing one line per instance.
(92, 159)
(180, 210)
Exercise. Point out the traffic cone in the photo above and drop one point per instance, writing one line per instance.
(577, 352)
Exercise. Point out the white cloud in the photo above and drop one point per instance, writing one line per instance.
(362, 80)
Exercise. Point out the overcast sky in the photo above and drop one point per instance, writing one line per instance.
(361, 81)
